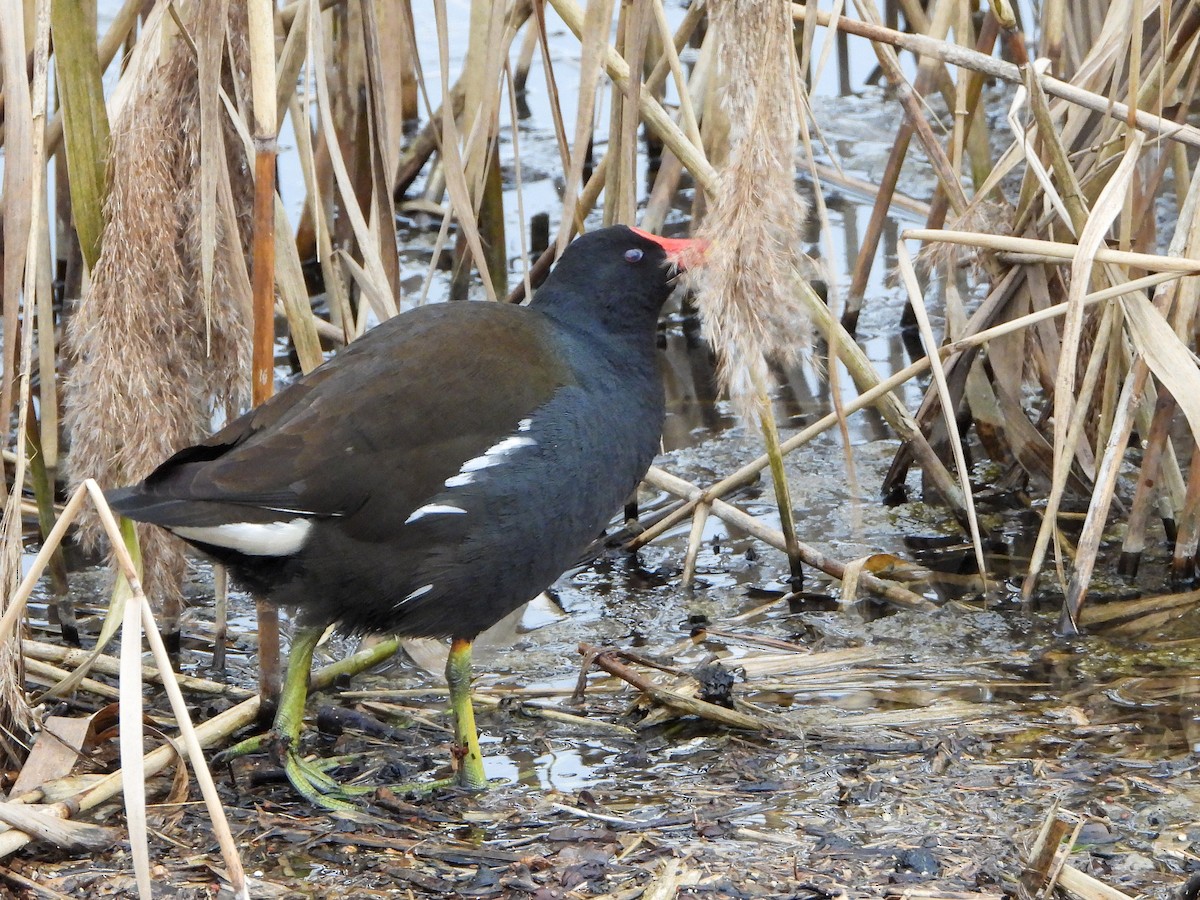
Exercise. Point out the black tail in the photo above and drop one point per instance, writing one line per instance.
(142, 504)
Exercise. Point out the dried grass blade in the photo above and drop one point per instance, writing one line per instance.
(210, 39)
(917, 303)
(1060, 476)
(453, 165)
(1054, 250)
(131, 737)
(1102, 495)
(518, 177)
(24, 201)
(1172, 363)
(368, 243)
(383, 124)
(289, 279)
(1024, 141)
(20, 172)
(1106, 208)
(84, 116)
(687, 112)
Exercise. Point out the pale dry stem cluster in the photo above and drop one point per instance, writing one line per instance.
(148, 359)
(748, 295)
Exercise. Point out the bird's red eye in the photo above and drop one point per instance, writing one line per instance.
(632, 255)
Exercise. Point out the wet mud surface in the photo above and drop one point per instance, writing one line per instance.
(902, 752)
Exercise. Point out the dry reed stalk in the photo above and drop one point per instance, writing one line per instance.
(492, 32)
(24, 206)
(1054, 203)
(260, 35)
(928, 71)
(149, 362)
(960, 56)
(593, 35)
(380, 28)
(620, 194)
(342, 212)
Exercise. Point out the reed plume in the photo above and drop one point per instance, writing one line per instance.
(748, 296)
(149, 360)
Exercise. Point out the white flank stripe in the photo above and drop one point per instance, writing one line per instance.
(251, 538)
(433, 509)
(419, 592)
(460, 480)
(524, 424)
(496, 454)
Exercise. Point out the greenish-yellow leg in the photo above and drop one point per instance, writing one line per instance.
(458, 677)
(290, 715)
(307, 778)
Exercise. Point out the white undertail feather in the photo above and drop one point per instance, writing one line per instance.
(251, 538)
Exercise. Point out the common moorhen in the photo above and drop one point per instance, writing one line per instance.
(439, 472)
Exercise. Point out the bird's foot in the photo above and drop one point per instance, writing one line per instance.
(311, 779)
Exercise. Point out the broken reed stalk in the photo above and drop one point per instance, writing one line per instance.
(1147, 486)
(730, 718)
(1187, 540)
(892, 593)
(109, 665)
(964, 57)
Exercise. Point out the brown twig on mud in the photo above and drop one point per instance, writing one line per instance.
(607, 660)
